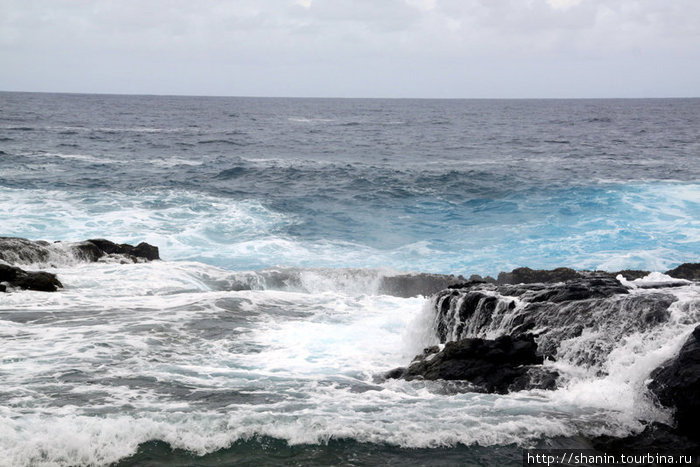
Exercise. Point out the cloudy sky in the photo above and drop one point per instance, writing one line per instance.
(353, 48)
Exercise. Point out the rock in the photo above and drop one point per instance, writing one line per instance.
(655, 437)
(469, 306)
(411, 285)
(492, 365)
(689, 271)
(584, 288)
(468, 284)
(553, 312)
(22, 251)
(464, 311)
(87, 251)
(536, 377)
(142, 250)
(530, 276)
(28, 280)
(146, 251)
(677, 384)
(396, 373)
(629, 274)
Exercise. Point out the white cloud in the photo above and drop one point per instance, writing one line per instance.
(351, 47)
(425, 5)
(563, 4)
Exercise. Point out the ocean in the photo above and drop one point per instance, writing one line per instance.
(259, 337)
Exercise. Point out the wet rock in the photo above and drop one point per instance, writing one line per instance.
(655, 437)
(492, 365)
(142, 250)
(586, 288)
(411, 285)
(473, 280)
(552, 312)
(677, 384)
(87, 251)
(689, 271)
(530, 276)
(629, 274)
(22, 251)
(28, 280)
(536, 377)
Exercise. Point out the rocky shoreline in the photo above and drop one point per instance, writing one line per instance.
(539, 309)
(15, 250)
(534, 311)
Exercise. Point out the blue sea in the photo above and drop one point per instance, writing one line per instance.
(258, 338)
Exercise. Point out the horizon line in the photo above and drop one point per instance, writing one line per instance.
(146, 94)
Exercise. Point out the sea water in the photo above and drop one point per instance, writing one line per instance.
(173, 363)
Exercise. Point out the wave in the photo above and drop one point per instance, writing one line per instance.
(210, 361)
(229, 142)
(262, 450)
(20, 128)
(338, 280)
(652, 226)
(62, 255)
(310, 120)
(126, 441)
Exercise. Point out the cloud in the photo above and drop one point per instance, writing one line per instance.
(563, 4)
(324, 47)
(426, 5)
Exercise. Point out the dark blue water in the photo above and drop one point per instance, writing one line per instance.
(161, 363)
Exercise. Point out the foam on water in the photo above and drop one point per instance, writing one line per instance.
(651, 226)
(133, 352)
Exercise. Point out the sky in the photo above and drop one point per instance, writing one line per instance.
(353, 48)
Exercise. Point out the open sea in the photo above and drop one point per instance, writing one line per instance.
(260, 336)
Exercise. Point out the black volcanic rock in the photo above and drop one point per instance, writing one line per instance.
(629, 274)
(492, 365)
(690, 271)
(545, 276)
(410, 285)
(142, 250)
(531, 276)
(552, 312)
(20, 250)
(655, 437)
(677, 384)
(15, 250)
(28, 280)
(583, 288)
(88, 251)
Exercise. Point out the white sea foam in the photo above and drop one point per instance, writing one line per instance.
(82, 157)
(310, 120)
(175, 161)
(200, 355)
(653, 280)
(247, 234)
(119, 356)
